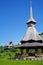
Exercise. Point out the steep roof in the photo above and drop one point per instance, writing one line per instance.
(41, 36)
(31, 34)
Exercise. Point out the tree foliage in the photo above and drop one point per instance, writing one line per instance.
(1, 49)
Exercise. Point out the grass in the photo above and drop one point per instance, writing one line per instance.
(4, 55)
(20, 62)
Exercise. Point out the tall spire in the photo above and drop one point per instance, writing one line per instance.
(31, 14)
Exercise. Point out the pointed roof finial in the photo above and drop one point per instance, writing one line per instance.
(31, 14)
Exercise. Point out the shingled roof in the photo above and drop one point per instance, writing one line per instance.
(32, 37)
(29, 45)
(31, 34)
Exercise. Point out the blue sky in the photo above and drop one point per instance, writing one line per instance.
(13, 17)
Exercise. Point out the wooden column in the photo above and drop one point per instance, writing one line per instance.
(27, 50)
(36, 50)
(21, 50)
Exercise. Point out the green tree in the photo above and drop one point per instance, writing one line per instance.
(1, 49)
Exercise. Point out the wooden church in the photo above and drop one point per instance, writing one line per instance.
(32, 39)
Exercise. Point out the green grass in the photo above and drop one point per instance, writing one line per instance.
(20, 62)
(5, 54)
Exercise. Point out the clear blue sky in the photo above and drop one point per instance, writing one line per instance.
(13, 17)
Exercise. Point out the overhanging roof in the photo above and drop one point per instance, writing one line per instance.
(29, 45)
